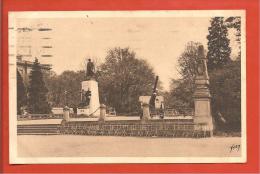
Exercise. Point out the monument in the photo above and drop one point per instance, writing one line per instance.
(202, 118)
(89, 93)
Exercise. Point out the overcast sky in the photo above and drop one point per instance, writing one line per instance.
(158, 40)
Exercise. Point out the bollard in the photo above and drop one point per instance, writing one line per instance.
(146, 111)
(102, 112)
(66, 113)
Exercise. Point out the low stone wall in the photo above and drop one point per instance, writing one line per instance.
(150, 128)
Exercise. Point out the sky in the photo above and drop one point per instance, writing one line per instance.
(158, 40)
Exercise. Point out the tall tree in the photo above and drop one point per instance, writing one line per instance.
(182, 90)
(123, 78)
(224, 74)
(218, 44)
(225, 88)
(21, 93)
(187, 63)
(37, 91)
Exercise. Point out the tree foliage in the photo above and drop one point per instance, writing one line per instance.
(21, 93)
(225, 88)
(123, 78)
(224, 74)
(218, 44)
(187, 63)
(64, 89)
(37, 91)
(182, 90)
(235, 22)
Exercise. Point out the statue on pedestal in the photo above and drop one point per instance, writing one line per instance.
(89, 92)
(202, 117)
(90, 73)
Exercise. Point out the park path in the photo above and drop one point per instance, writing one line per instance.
(110, 146)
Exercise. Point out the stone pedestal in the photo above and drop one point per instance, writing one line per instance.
(94, 105)
(146, 111)
(202, 118)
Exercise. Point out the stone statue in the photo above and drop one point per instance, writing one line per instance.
(90, 73)
(87, 95)
(202, 64)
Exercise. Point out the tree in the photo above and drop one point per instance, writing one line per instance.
(21, 93)
(187, 63)
(37, 91)
(225, 75)
(123, 78)
(182, 90)
(218, 44)
(64, 89)
(225, 88)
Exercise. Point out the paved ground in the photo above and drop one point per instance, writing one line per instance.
(89, 146)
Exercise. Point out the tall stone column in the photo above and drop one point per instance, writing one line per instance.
(202, 118)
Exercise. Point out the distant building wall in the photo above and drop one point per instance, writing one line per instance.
(29, 42)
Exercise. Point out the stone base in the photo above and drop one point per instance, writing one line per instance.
(94, 104)
(202, 118)
(83, 111)
(203, 123)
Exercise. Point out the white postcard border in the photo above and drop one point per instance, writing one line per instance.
(14, 159)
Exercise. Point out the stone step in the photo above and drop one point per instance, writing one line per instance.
(27, 133)
(39, 129)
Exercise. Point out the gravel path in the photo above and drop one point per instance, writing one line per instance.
(96, 146)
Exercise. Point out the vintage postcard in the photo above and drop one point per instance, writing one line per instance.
(127, 86)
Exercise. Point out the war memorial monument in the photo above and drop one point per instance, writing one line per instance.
(200, 125)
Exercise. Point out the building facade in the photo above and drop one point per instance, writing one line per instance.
(24, 67)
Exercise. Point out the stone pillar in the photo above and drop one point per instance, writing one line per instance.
(146, 111)
(94, 104)
(66, 113)
(202, 116)
(102, 112)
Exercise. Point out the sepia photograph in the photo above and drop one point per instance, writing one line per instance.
(127, 86)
